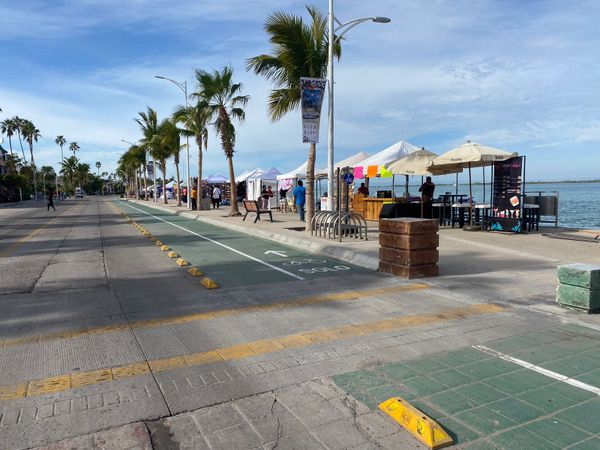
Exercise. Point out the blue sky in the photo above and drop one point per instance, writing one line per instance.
(519, 75)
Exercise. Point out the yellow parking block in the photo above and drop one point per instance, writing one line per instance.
(153, 238)
(182, 262)
(165, 248)
(208, 283)
(158, 243)
(172, 255)
(416, 422)
(195, 272)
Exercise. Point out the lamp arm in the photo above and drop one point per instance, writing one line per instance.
(350, 24)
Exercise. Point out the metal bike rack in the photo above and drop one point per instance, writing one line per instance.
(336, 224)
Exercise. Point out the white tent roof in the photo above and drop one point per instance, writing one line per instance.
(245, 175)
(392, 153)
(348, 162)
(298, 172)
(217, 178)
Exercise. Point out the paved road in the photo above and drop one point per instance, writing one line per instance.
(105, 340)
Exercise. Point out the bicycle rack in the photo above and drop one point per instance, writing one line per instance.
(335, 225)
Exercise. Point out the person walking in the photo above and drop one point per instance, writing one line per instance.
(50, 201)
(216, 197)
(264, 198)
(300, 199)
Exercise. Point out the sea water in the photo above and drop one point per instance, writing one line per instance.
(578, 203)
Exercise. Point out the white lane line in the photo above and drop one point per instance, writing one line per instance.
(548, 373)
(293, 275)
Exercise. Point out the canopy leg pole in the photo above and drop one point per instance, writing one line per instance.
(393, 186)
(406, 191)
(456, 190)
(483, 184)
(470, 197)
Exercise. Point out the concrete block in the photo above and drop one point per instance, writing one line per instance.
(578, 298)
(408, 242)
(408, 257)
(582, 275)
(409, 272)
(408, 225)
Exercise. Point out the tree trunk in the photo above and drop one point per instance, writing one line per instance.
(163, 163)
(234, 206)
(310, 187)
(10, 144)
(199, 190)
(145, 181)
(22, 151)
(34, 171)
(178, 184)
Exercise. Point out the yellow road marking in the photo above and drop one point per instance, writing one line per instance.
(12, 247)
(238, 351)
(210, 315)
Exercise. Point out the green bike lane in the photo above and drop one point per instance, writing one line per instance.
(234, 259)
(538, 390)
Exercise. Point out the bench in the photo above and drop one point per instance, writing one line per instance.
(252, 206)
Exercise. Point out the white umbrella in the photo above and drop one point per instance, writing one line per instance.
(470, 155)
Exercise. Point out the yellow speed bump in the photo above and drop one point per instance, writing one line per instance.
(172, 255)
(417, 423)
(195, 272)
(208, 283)
(158, 243)
(182, 262)
(165, 248)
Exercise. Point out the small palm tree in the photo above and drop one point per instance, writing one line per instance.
(163, 146)
(148, 123)
(60, 141)
(298, 50)
(74, 147)
(7, 126)
(31, 135)
(222, 97)
(195, 120)
(98, 165)
(68, 168)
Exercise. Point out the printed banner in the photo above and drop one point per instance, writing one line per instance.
(507, 210)
(312, 93)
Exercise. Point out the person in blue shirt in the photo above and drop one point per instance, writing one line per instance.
(300, 199)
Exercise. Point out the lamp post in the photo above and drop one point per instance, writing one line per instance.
(342, 29)
(183, 87)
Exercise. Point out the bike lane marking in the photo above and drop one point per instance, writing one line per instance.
(271, 266)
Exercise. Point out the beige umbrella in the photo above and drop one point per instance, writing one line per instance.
(419, 163)
(470, 155)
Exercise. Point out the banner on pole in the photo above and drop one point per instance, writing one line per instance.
(312, 90)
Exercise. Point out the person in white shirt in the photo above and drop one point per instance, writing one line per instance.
(216, 197)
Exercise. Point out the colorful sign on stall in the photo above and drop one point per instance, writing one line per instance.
(312, 93)
(507, 210)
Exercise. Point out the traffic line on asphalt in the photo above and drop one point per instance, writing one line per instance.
(239, 351)
(260, 261)
(215, 314)
(538, 369)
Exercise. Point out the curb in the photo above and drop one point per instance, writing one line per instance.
(349, 256)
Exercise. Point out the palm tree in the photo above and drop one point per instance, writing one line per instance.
(7, 126)
(68, 169)
(195, 120)
(60, 141)
(148, 123)
(98, 165)
(18, 124)
(31, 134)
(74, 146)
(222, 98)
(81, 172)
(298, 50)
(163, 147)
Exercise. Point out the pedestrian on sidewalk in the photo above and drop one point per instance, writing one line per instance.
(194, 196)
(216, 197)
(300, 199)
(50, 201)
(264, 198)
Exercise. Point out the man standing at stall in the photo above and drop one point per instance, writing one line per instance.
(300, 199)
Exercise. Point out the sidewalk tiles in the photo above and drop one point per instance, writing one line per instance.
(485, 402)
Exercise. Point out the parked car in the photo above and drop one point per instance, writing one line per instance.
(78, 192)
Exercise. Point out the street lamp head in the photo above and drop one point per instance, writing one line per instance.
(158, 76)
(381, 19)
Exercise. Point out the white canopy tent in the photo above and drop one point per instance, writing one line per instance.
(351, 161)
(256, 182)
(392, 153)
(287, 180)
(247, 174)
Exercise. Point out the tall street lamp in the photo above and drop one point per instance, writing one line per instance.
(342, 29)
(183, 87)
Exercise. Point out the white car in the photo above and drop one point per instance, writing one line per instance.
(78, 192)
